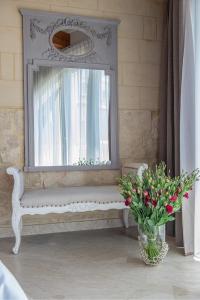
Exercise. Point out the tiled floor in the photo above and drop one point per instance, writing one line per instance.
(100, 264)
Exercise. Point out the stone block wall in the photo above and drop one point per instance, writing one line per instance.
(139, 54)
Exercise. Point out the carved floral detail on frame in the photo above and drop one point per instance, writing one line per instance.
(52, 54)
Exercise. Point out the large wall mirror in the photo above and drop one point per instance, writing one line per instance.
(70, 73)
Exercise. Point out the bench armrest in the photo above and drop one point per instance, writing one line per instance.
(141, 169)
(18, 188)
(135, 168)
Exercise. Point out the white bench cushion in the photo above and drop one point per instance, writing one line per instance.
(63, 196)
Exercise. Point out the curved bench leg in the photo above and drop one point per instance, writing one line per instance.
(17, 227)
(125, 217)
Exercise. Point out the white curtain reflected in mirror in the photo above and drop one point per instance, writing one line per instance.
(71, 116)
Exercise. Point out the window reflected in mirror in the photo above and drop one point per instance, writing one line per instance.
(72, 42)
(71, 117)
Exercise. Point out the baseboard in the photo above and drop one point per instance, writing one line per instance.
(63, 227)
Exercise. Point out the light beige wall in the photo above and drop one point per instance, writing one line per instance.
(139, 39)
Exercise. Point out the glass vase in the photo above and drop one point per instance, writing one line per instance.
(153, 247)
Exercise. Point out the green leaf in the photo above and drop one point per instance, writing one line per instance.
(171, 218)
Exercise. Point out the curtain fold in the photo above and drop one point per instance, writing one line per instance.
(187, 136)
(169, 146)
(190, 123)
(179, 111)
(169, 149)
(97, 123)
(196, 11)
(47, 134)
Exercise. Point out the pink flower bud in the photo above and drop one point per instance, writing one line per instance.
(169, 209)
(128, 201)
(154, 202)
(173, 198)
(186, 195)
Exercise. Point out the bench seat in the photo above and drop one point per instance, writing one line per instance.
(61, 200)
(64, 196)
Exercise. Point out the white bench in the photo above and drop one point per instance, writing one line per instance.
(61, 200)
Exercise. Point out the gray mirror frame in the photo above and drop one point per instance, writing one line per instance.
(38, 29)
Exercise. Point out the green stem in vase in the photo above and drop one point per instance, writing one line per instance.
(152, 249)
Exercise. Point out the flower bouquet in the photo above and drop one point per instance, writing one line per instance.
(153, 198)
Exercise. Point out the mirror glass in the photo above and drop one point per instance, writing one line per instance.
(71, 117)
(72, 42)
